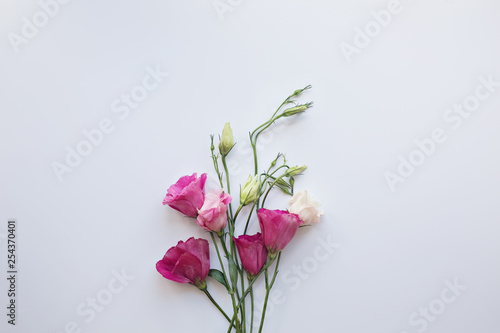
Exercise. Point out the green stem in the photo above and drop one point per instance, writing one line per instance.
(249, 216)
(231, 292)
(228, 184)
(237, 212)
(216, 304)
(260, 129)
(243, 309)
(251, 298)
(218, 254)
(216, 164)
(276, 270)
(268, 289)
(269, 263)
(240, 272)
(256, 165)
(264, 310)
(255, 134)
(269, 190)
(265, 303)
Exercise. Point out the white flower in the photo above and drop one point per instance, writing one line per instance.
(306, 207)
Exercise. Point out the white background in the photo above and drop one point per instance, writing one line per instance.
(395, 250)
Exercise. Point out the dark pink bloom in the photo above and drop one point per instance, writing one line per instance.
(188, 262)
(187, 195)
(278, 228)
(212, 215)
(253, 253)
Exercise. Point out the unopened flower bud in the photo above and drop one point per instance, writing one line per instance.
(227, 141)
(297, 109)
(250, 191)
(298, 91)
(212, 147)
(293, 171)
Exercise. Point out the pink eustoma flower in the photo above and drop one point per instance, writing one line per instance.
(188, 262)
(278, 228)
(187, 195)
(253, 253)
(212, 215)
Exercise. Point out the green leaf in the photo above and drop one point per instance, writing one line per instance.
(233, 272)
(219, 276)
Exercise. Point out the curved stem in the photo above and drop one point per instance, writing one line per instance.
(216, 304)
(237, 212)
(255, 134)
(256, 165)
(269, 190)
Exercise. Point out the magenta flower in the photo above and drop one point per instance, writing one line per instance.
(253, 253)
(278, 228)
(188, 262)
(212, 215)
(187, 195)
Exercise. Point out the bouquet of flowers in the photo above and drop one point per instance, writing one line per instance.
(243, 258)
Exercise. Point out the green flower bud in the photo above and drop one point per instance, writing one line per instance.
(250, 191)
(297, 109)
(227, 141)
(293, 171)
(299, 91)
(212, 147)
